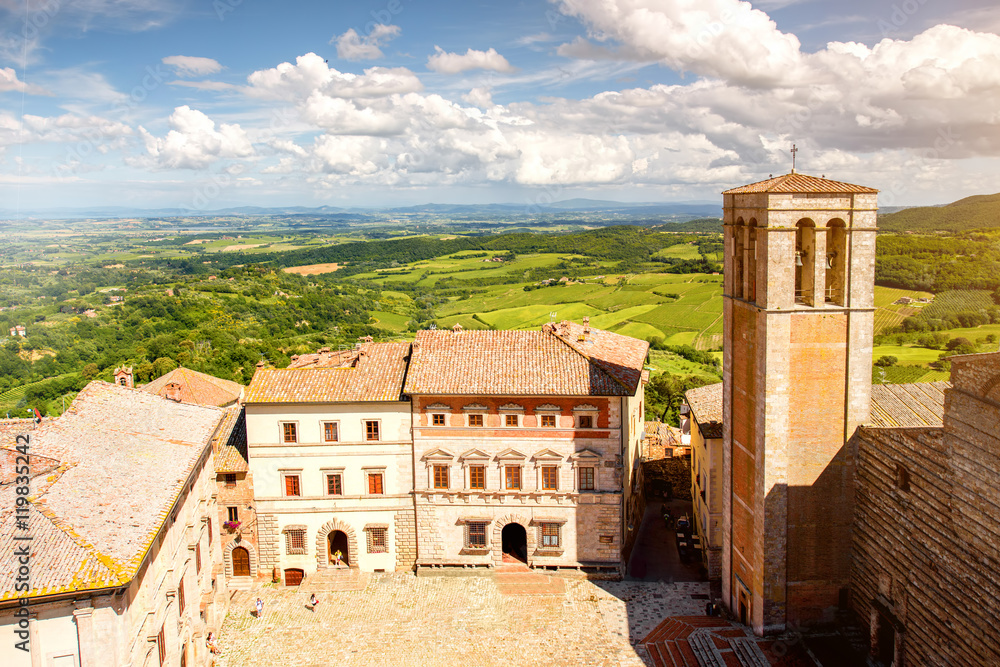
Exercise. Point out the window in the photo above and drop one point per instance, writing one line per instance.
(548, 421)
(437, 420)
(510, 421)
(475, 534)
(512, 477)
(440, 477)
(549, 476)
(210, 531)
(475, 420)
(197, 557)
(371, 430)
(295, 541)
(477, 477)
(550, 536)
(585, 421)
(234, 513)
(378, 542)
(375, 483)
(161, 646)
(902, 477)
(334, 485)
(230, 480)
(180, 596)
(289, 432)
(586, 479)
(292, 485)
(331, 432)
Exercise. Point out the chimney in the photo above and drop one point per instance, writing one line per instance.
(323, 350)
(547, 328)
(369, 339)
(124, 377)
(295, 357)
(457, 328)
(260, 364)
(172, 391)
(586, 324)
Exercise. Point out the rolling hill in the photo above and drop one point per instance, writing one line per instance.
(976, 212)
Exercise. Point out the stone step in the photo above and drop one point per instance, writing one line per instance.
(748, 652)
(240, 583)
(705, 650)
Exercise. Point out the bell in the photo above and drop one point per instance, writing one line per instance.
(829, 261)
(798, 258)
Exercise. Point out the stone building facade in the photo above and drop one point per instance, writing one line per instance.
(126, 557)
(526, 446)
(331, 457)
(798, 313)
(925, 573)
(704, 423)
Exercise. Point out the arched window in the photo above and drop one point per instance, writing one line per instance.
(805, 262)
(752, 260)
(836, 262)
(738, 259)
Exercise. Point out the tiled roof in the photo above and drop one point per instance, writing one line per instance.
(197, 388)
(915, 404)
(706, 408)
(663, 434)
(554, 361)
(123, 457)
(230, 442)
(325, 358)
(375, 375)
(801, 183)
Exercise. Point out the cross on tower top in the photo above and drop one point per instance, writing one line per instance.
(794, 151)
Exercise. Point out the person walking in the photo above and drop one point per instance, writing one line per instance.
(337, 555)
(260, 607)
(313, 601)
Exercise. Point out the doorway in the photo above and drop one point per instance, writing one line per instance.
(241, 562)
(886, 638)
(337, 541)
(293, 576)
(743, 609)
(514, 542)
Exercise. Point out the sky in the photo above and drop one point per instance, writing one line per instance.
(213, 103)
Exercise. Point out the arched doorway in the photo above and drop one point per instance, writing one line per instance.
(338, 542)
(514, 542)
(241, 562)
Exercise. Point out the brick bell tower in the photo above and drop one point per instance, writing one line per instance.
(798, 314)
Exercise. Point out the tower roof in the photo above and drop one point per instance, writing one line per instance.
(797, 183)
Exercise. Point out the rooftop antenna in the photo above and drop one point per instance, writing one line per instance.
(552, 316)
(794, 151)
(433, 326)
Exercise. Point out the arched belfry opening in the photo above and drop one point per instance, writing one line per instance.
(805, 262)
(752, 260)
(836, 262)
(738, 255)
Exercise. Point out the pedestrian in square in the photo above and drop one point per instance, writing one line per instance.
(260, 607)
(337, 555)
(313, 601)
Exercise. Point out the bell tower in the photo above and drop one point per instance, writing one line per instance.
(798, 314)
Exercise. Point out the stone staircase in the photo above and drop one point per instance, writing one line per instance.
(516, 578)
(240, 583)
(702, 641)
(334, 579)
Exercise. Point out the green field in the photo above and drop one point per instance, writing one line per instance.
(887, 314)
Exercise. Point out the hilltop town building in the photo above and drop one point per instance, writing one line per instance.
(704, 424)
(526, 446)
(121, 516)
(330, 452)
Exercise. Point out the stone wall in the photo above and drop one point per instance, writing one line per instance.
(926, 545)
(406, 540)
(268, 541)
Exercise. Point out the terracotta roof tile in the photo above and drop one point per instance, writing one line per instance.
(554, 361)
(706, 408)
(197, 388)
(915, 404)
(375, 375)
(800, 183)
(123, 458)
(230, 442)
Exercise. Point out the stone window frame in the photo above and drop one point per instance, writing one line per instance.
(292, 533)
(437, 457)
(508, 410)
(439, 416)
(283, 433)
(474, 458)
(510, 458)
(476, 524)
(546, 411)
(285, 474)
(327, 473)
(232, 513)
(547, 459)
(583, 411)
(586, 458)
(475, 410)
(438, 409)
(368, 471)
(442, 476)
(377, 538)
(378, 429)
(336, 428)
(551, 550)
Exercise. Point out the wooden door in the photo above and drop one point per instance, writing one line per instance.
(293, 576)
(241, 562)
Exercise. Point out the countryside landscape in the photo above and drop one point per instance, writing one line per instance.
(221, 293)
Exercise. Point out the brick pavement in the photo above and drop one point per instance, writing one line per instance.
(401, 620)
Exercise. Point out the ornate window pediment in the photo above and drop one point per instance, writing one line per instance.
(437, 406)
(547, 455)
(585, 407)
(548, 407)
(474, 407)
(585, 456)
(511, 407)
(438, 454)
(474, 455)
(511, 453)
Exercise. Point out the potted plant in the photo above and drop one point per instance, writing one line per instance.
(231, 526)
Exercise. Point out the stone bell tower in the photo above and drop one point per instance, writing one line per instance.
(798, 314)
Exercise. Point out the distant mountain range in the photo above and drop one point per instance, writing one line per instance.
(690, 209)
(977, 212)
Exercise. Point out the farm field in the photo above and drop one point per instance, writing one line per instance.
(888, 315)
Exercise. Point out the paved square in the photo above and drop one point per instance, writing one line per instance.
(402, 620)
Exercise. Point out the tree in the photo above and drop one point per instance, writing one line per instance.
(163, 365)
(90, 371)
(885, 361)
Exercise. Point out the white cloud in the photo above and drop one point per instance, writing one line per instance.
(10, 82)
(352, 46)
(204, 85)
(480, 97)
(454, 63)
(188, 66)
(310, 73)
(194, 142)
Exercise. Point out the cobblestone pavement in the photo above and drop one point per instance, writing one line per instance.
(402, 620)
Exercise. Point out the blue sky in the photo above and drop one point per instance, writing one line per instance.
(209, 104)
